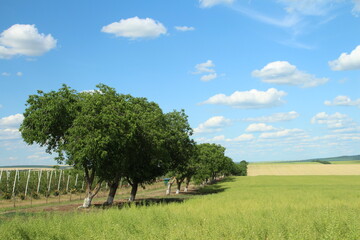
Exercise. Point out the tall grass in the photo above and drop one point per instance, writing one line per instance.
(267, 207)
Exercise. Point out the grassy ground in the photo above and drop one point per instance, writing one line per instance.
(262, 207)
(303, 169)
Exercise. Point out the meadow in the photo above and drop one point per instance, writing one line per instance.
(261, 207)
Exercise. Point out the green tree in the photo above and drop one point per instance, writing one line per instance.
(98, 137)
(146, 154)
(211, 161)
(87, 130)
(179, 146)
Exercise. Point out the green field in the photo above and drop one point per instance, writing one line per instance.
(262, 207)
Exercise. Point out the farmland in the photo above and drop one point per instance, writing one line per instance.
(262, 207)
(304, 168)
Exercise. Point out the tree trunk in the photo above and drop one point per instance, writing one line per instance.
(134, 188)
(113, 185)
(187, 185)
(90, 192)
(178, 183)
(170, 183)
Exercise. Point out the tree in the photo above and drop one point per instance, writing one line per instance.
(211, 157)
(98, 137)
(179, 146)
(146, 154)
(86, 130)
(48, 117)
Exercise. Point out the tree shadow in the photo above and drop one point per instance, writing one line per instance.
(141, 202)
(214, 188)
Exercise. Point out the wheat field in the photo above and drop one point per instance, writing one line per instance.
(281, 169)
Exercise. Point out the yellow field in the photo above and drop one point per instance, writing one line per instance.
(303, 169)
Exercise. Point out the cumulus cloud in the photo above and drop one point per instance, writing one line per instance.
(208, 77)
(211, 3)
(9, 133)
(249, 99)
(184, 28)
(259, 127)
(282, 133)
(276, 117)
(24, 39)
(12, 120)
(136, 27)
(213, 124)
(221, 138)
(206, 67)
(347, 61)
(243, 137)
(336, 120)
(283, 73)
(19, 74)
(343, 101)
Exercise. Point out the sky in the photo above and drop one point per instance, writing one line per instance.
(269, 80)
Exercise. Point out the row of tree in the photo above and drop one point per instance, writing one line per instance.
(112, 136)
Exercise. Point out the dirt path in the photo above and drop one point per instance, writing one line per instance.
(144, 197)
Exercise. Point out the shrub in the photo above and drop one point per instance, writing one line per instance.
(6, 195)
(22, 196)
(35, 195)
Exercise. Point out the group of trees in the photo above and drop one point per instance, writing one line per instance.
(112, 136)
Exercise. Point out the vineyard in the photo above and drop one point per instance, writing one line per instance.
(33, 184)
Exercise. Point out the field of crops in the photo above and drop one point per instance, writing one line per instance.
(305, 168)
(262, 207)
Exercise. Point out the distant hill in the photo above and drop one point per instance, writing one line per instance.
(331, 159)
(36, 166)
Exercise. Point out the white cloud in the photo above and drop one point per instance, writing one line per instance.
(9, 133)
(222, 138)
(5, 74)
(205, 67)
(24, 39)
(276, 117)
(343, 101)
(136, 28)
(336, 120)
(282, 72)
(208, 77)
(259, 127)
(356, 9)
(347, 61)
(243, 137)
(184, 28)
(12, 120)
(309, 7)
(249, 99)
(213, 124)
(211, 3)
(282, 133)
(19, 74)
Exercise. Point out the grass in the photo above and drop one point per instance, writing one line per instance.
(263, 207)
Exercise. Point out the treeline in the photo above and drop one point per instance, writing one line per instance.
(111, 136)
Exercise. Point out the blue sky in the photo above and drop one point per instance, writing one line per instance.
(269, 80)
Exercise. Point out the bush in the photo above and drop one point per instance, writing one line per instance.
(6, 195)
(322, 161)
(35, 195)
(56, 193)
(22, 196)
(73, 190)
